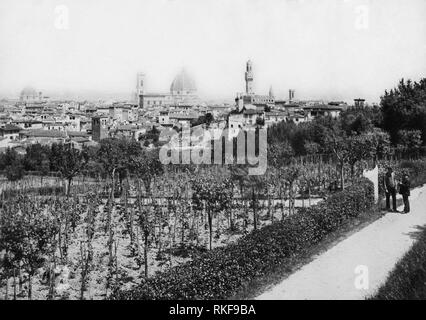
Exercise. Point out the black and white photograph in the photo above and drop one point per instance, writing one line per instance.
(215, 154)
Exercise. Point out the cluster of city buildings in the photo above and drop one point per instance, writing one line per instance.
(35, 118)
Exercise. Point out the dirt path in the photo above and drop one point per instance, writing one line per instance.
(365, 257)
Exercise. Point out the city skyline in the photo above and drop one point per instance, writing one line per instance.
(335, 50)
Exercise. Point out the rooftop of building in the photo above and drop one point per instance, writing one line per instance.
(184, 116)
(99, 116)
(324, 107)
(80, 139)
(275, 113)
(43, 133)
(128, 127)
(77, 134)
(33, 121)
(253, 111)
(10, 128)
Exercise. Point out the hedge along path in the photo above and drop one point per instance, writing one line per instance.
(336, 274)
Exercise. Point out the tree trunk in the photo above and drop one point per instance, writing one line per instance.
(254, 209)
(160, 232)
(69, 186)
(30, 286)
(60, 240)
(52, 279)
(116, 262)
(182, 240)
(209, 216)
(319, 172)
(145, 253)
(132, 236)
(246, 213)
(20, 279)
(84, 254)
(129, 215)
(231, 220)
(14, 284)
(147, 183)
(269, 205)
(143, 228)
(83, 280)
(342, 181)
(6, 295)
(110, 208)
(309, 194)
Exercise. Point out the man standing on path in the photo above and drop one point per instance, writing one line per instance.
(404, 190)
(390, 189)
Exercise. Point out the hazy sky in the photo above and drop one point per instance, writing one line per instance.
(335, 49)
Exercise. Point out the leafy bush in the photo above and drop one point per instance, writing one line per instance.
(27, 234)
(14, 172)
(222, 272)
(416, 170)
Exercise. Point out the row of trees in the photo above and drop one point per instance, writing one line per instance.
(328, 137)
(401, 115)
(403, 109)
(113, 158)
(398, 125)
(313, 137)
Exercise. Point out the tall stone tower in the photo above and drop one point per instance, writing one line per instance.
(140, 86)
(290, 95)
(99, 127)
(271, 92)
(249, 78)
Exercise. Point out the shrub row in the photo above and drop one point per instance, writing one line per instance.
(222, 272)
(407, 281)
(416, 170)
(42, 191)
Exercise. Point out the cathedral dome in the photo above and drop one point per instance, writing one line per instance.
(29, 92)
(183, 84)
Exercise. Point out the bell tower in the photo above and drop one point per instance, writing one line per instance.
(271, 92)
(249, 78)
(140, 86)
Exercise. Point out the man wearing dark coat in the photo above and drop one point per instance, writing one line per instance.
(404, 190)
(390, 189)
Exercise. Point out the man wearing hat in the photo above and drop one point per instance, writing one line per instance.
(404, 190)
(390, 189)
